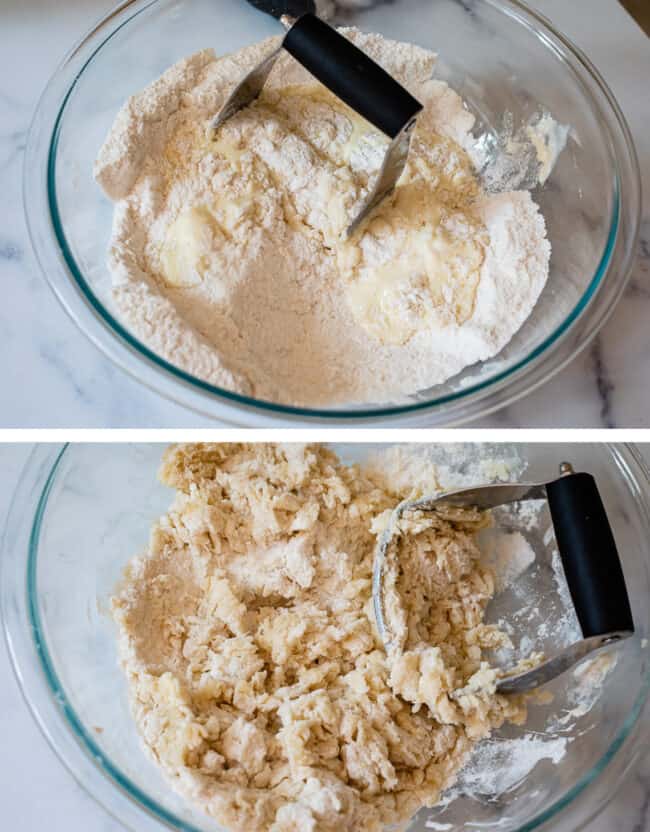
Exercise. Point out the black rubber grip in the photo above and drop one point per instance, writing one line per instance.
(351, 75)
(589, 556)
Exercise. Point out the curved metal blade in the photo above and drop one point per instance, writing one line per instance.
(483, 496)
(246, 91)
(391, 170)
(558, 664)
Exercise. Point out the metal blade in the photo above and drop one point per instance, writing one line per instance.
(392, 169)
(555, 666)
(485, 496)
(248, 89)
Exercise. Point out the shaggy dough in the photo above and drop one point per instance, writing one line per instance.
(257, 678)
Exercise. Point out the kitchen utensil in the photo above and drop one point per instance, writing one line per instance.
(587, 549)
(347, 72)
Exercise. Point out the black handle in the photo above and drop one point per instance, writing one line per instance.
(589, 556)
(351, 75)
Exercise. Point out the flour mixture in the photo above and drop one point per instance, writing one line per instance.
(228, 260)
(257, 678)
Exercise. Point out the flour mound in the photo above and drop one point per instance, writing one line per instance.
(257, 678)
(228, 260)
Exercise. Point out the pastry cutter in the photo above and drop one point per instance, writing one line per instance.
(347, 72)
(589, 557)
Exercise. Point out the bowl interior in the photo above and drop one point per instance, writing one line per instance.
(94, 515)
(494, 54)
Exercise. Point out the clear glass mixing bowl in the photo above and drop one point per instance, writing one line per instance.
(82, 511)
(499, 55)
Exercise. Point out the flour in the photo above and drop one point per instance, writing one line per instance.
(227, 257)
(497, 767)
(508, 554)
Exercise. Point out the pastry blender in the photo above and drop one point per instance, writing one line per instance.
(347, 72)
(589, 557)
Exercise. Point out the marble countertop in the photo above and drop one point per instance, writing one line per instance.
(36, 792)
(52, 376)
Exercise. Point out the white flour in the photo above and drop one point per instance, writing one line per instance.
(501, 765)
(227, 258)
(508, 554)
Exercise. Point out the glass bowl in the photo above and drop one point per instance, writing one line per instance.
(81, 512)
(497, 54)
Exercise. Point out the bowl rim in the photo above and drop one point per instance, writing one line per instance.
(48, 237)
(46, 699)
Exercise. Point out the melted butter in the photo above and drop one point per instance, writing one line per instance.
(187, 247)
(549, 140)
(432, 277)
(193, 239)
(427, 250)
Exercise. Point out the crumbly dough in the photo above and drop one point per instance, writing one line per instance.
(228, 259)
(257, 678)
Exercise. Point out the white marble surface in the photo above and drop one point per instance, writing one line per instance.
(52, 376)
(37, 793)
